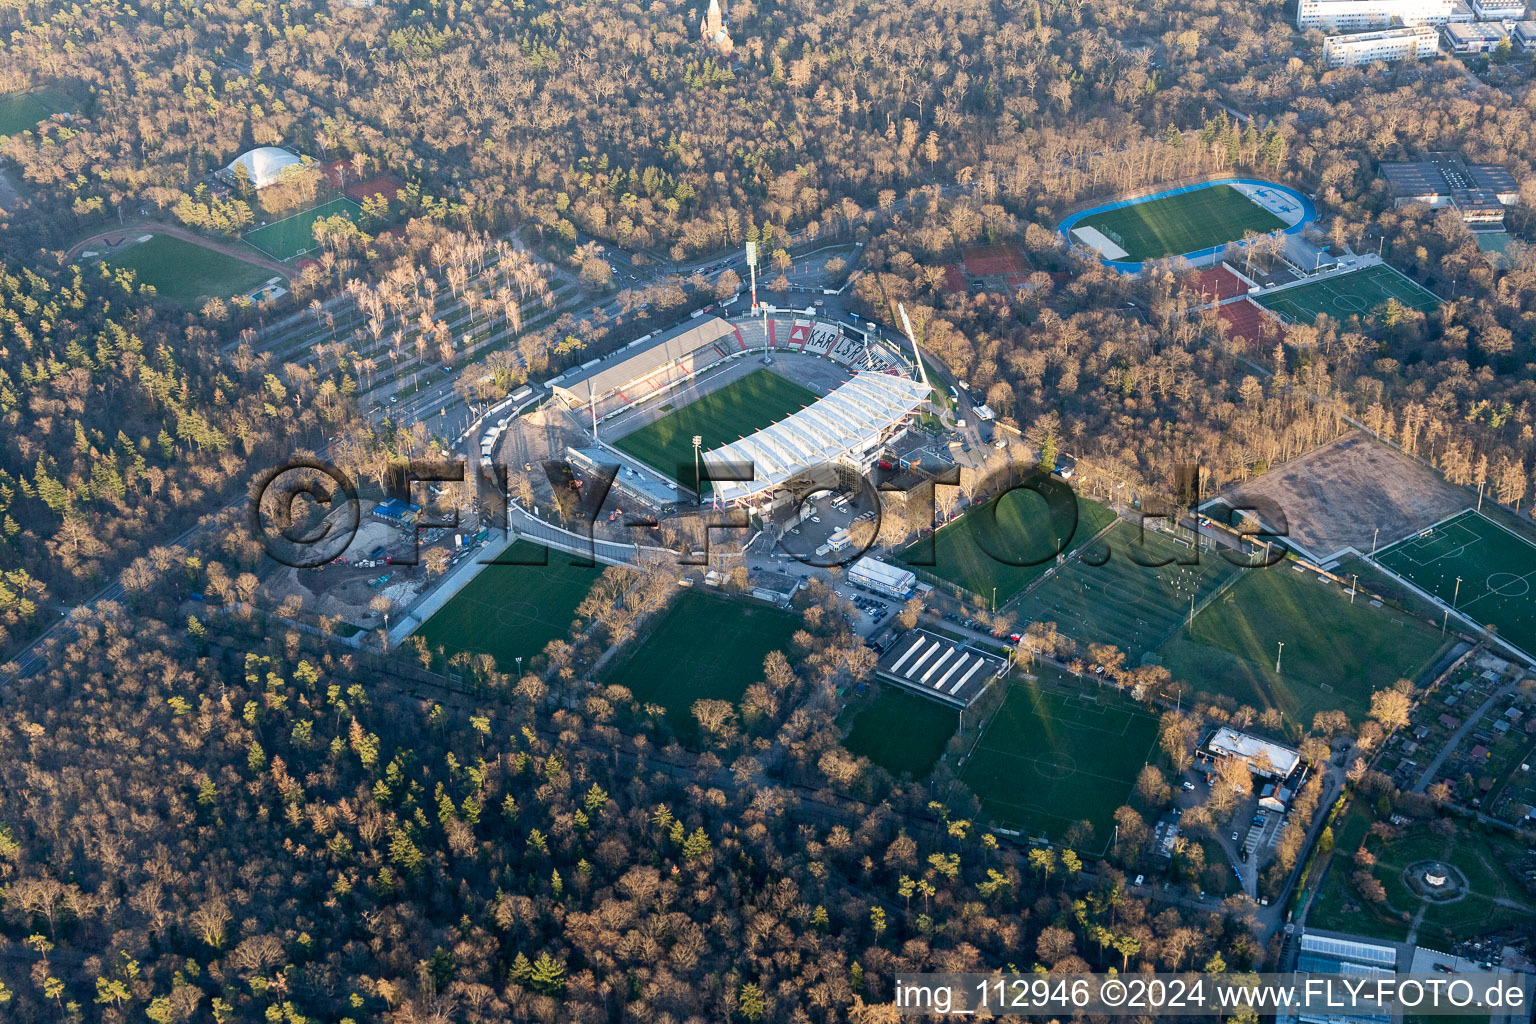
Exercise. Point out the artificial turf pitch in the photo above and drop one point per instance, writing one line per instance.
(704, 647)
(295, 235)
(1496, 568)
(902, 732)
(970, 551)
(186, 273)
(1360, 293)
(513, 607)
(1183, 223)
(742, 407)
(1048, 759)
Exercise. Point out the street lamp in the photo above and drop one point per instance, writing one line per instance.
(698, 486)
(1277, 657)
(1456, 595)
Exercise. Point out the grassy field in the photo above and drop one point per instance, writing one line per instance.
(1017, 525)
(1336, 653)
(20, 111)
(186, 273)
(742, 407)
(1050, 758)
(294, 236)
(1487, 860)
(1183, 223)
(902, 732)
(1497, 572)
(512, 609)
(704, 647)
(1125, 601)
(1359, 293)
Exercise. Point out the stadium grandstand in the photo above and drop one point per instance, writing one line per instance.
(649, 366)
(937, 667)
(849, 425)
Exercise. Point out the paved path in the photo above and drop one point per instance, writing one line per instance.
(1456, 738)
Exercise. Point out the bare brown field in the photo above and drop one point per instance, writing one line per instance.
(1338, 495)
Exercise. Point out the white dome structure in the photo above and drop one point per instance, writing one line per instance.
(262, 166)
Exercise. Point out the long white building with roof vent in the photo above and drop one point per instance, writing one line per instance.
(848, 426)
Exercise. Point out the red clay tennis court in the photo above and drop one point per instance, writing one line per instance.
(1217, 284)
(383, 184)
(1245, 320)
(991, 260)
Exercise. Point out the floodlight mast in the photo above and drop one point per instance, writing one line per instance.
(906, 325)
(752, 268)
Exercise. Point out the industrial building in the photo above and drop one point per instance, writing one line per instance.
(1364, 15)
(1523, 36)
(1388, 45)
(882, 577)
(940, 668)
(1478, 192)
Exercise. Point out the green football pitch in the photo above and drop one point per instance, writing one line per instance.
(514, 607)
(742, 407)
(186, 273)
(20, 111)
(295, 236)
(1118, 592)
(1337, 651)
(1495, 568)
(704, 647)
(1048, 759)
(1186, 222)
(970, 551)
(902, 732)
(1359, 293)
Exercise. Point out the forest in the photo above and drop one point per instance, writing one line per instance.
(229, 818)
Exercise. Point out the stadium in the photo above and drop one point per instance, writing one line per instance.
(1194, 222)
(801, 394)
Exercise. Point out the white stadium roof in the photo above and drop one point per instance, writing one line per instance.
(263, 165)
(851, 417)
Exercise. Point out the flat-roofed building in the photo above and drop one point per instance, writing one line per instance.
(1523, 36)
(1478, 192)
(1263, 757)
(952, 671)
(1363, 15)
(882, 577)
(1498, 10)
(1388, 45)
(1474, 36)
